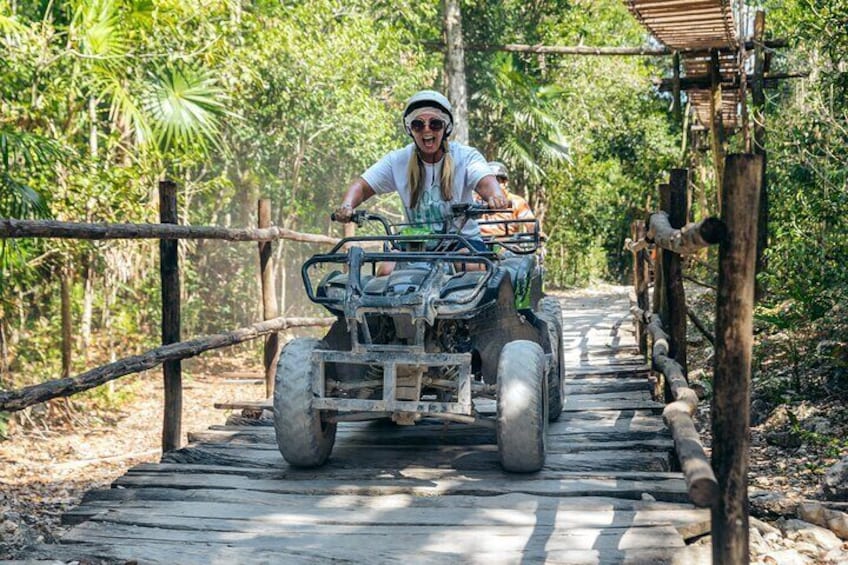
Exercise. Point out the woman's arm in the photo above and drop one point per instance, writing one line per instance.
(491, 193)
(358, 192)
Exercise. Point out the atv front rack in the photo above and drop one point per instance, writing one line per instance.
(421, 304)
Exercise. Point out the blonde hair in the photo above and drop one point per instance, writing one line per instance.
(415, 175)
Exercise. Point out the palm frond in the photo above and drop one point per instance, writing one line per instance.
(97, 25)
(9, 24)
(185, 106)
(18, 148)
(21, 201)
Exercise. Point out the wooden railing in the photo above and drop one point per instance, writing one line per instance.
(172, 350)
(719, 482)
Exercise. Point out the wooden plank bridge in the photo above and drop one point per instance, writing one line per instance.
(429, 493)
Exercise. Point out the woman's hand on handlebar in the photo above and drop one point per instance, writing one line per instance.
(497, 201)
(343, 214)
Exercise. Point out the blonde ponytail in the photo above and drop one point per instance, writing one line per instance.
(415, 176)
(446, 180)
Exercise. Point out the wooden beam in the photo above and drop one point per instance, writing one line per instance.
(592, 51)
(727, 81)
(12, 228)
(732, 375)
(701, 482)
(688, 239)
(13, 400)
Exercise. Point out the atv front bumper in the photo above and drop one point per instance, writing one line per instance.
(389, 358)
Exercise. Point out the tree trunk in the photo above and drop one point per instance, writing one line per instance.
(455, 69)
(87, 303)
(67, 330)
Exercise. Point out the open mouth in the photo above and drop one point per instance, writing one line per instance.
(428, 142)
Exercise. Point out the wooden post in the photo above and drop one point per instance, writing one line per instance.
(270, 309)
(67, 330)
(732, 389)
(716, 124)
(660, 306)
(675, 295)
(675, 97)
(169, 269)
(640, 283)
(758, 99)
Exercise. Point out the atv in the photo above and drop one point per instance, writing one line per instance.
(448, 327)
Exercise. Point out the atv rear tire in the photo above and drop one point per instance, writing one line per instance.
(551, 312)
(522, 407)
(302, 437)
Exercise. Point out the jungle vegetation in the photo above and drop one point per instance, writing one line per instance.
(289, 100)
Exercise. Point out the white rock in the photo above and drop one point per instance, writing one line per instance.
(773, 537)
(802, 531)
(807, 548)
(648, 497)
(9, 527)
(786, 557)
(818, 514)
(836, 556)
(763, 527)
(835, 484)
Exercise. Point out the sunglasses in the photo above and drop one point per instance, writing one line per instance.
(435, 125)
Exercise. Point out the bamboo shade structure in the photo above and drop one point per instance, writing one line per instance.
(688, 24)
(697, 25)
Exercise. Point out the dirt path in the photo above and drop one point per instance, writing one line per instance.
(47, 464)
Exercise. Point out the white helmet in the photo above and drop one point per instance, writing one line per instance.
(429, 98)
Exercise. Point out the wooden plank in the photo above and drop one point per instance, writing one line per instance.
(389, 511)
(677, 513)
(575, 404)
(410, 481)
(464, 458)
(366, 474)
(185, 553)
(357, 544)
(597, 385)
(566, 439)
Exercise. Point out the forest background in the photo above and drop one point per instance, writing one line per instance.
(236, 101)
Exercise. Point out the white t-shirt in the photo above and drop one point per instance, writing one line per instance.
(389, 175)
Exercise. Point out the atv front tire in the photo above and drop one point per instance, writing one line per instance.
(551, 312)
(522, 407)
(302, 437)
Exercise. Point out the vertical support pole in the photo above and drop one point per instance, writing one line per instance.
(673, 271)
(269, 297)
(640, 283)
(67, 330)
(675, 88)
(169, 270)
(758, 99)
(732, 389)
(660, 304)
(716, 124)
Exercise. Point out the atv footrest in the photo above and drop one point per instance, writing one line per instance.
(390, 360)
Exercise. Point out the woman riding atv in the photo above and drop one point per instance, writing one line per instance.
(429, 174)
